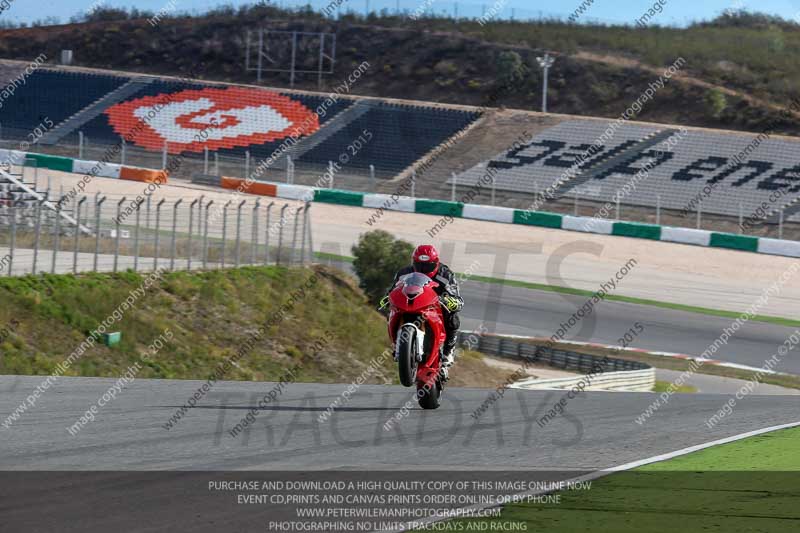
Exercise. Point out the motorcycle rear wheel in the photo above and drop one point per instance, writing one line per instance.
(407, 355)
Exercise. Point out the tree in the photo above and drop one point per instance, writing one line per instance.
(717, 103)
(510, 68)
(378, 256)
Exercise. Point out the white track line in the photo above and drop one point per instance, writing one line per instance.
(465, 511)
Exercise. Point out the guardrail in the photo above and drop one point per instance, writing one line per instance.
(608, 373)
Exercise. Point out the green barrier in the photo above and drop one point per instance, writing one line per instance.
(639, 231)
(439, 207)
(734, 242)
(53, 162)
(536, 218)
(333, 196)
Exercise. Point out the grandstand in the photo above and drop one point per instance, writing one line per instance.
(435, 140)
(249, 119)
(678, 173)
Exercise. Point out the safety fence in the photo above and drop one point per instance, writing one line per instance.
(601, 372)
(322, 190)
(522, 350)
(111, 234)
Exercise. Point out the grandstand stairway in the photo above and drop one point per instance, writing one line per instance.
(94, 110)
(14, 191)
(609, 160)
(328, 130)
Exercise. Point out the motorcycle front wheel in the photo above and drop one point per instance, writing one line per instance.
(430, 398)
(407, 355)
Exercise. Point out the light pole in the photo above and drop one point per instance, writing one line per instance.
(545, 62)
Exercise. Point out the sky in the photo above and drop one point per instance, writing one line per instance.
(674, 12)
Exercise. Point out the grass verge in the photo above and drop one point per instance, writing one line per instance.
(662, 386)
(331, 332)
(744, 486)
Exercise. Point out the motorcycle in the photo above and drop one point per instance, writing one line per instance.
(416, 328)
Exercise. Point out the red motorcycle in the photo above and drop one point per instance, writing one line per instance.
(416, 327)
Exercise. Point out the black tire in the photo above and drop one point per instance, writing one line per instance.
(407, 356)
(430, 398)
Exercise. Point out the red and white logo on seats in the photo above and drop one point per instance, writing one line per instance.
(190, 121)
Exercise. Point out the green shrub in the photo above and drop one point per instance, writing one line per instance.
(717, 103)
(378, 256)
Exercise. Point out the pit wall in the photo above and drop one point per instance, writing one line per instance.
(381, 203)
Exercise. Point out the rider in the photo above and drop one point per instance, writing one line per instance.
(426, 261)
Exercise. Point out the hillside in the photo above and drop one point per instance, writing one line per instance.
(599, 70)
(331, 333)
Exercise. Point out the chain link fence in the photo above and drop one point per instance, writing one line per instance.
(113, 233)
(365, 178)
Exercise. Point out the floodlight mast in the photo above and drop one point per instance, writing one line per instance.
(545, 62)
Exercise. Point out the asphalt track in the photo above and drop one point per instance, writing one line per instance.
(520, 311)
(598, 432)
(509, 310)
(127, 437)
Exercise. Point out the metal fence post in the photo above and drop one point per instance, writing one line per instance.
(239, 232)
(305, 229)
(741, 218)
(116, 223)
(294, 235)
(289, 163)
(12, 246)
(266, 238)
(494, 189)
(136, 237)
(414, 184)
(224, 232)
(780, 224)
(124, 149)
(372, 178)
(216, 163)
(147, 212)
(617, 213)
(658, 210)
(199, 214)
(247, 163)
(164, 156)
(56, 238)
(280, 233)
(174, 233)
(156, 252)
(205, 160)
(254, 232)
(191, 228)
(80, 145)
(98, 209)
(699, 214)
(330, 174)
(77, 236)
(38, 228)
(205, 236)
(453, 190)
(575, 202)
(310, 240)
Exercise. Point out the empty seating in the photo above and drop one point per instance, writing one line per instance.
(249, 119)
(738, 171)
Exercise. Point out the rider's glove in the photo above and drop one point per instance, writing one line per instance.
(450, 303)
(384, 303)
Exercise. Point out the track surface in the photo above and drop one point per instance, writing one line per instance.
(519, 311)
(598, 432)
